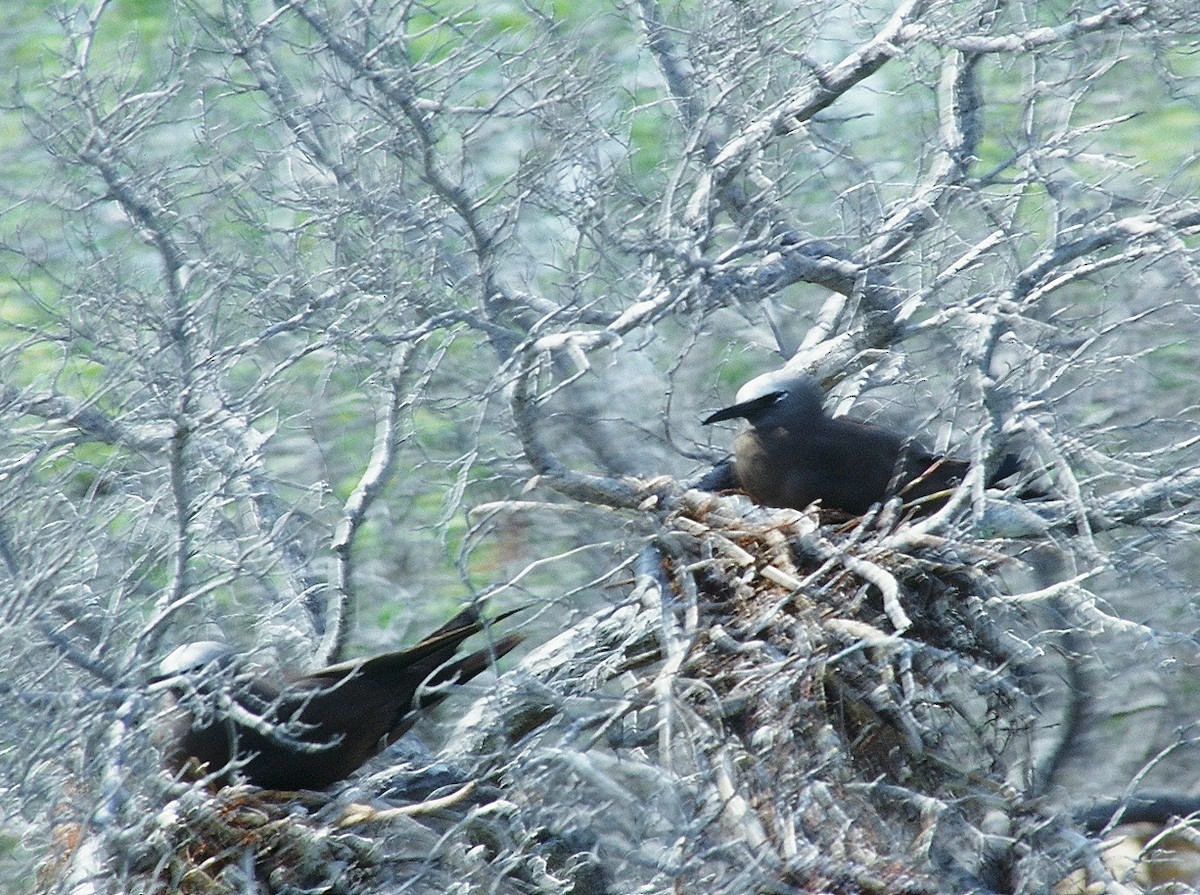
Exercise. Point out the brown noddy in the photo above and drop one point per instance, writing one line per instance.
(308, 731)
(792, 454)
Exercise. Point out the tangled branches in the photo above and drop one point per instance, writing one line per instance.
(839, 716)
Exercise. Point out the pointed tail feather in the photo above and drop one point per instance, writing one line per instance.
(439, 685)
(466, 667)
(437, 648)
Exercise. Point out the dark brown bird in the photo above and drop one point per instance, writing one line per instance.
(791, 454)
(314, 729)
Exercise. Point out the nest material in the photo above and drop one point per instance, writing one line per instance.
(865, 719)
(243, 839)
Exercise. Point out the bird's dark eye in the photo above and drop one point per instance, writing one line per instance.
(779, 396)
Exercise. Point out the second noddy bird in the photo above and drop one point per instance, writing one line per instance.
(791, 454)
(308, 731)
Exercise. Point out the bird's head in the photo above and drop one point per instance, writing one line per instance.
(775, 398)
(209, 679)
(200, 666)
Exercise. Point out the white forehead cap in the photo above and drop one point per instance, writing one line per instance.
(774, 381)
(193, 656)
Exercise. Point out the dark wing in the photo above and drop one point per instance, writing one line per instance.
(376, 695)
(846, 463)
(925, 475)
(430, 652)
(459, 671)
(722, 477)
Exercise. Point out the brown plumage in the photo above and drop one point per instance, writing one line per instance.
(791, 454)
(311, 730)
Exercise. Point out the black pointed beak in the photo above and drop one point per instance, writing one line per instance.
(747, 409)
